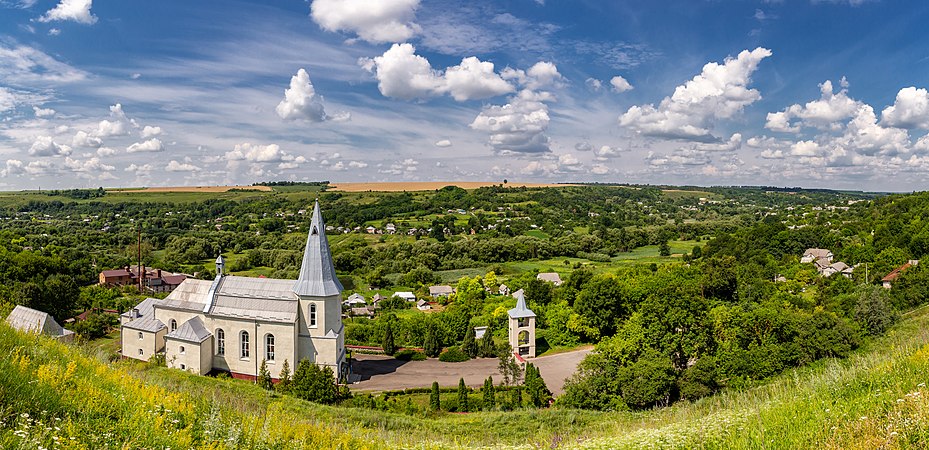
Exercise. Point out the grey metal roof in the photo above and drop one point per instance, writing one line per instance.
(267, 299)
(145, 307)
(520, 311)
(147, 323)
(191, 331)
(27, 319)
(317, 273)
(440, 290)
(191, 295)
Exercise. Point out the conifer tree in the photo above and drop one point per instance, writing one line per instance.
(314, 383)
(535, 385)
(431, 347)
(516, 397)
(388, 343)
(286, 381)
(462, 396)
(490, 400)
(469, 346)
(264, 377)
(434, 400)
(486, 346)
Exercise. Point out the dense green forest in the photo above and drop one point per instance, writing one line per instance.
(683, 290)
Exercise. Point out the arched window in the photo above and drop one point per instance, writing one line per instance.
(313, 315)
(141, 336)
(173, 324)
(220, 342)
(269, 347)
(141, 352)
(182, 349)
(244, 339)
(523, 338)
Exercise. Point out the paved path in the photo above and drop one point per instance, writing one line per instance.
(383, 373)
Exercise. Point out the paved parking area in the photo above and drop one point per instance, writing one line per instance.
(383, 373)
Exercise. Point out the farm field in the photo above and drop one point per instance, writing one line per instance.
(195, 189)
(428, 185)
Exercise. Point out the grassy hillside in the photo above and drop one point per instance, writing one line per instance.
(48, 392)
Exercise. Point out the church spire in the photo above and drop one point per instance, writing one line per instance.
(317, 273)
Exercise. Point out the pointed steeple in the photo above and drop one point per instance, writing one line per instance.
(317, 273)
(521, 310)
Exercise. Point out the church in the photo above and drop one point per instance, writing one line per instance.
(231, 323)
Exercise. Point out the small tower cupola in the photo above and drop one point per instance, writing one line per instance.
(317, 272)
(220, 265)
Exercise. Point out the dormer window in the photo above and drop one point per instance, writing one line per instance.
(314, 232)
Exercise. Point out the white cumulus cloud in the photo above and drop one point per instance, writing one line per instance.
(518, 126)
(174, 166)
(403, 74)
(910, 109)
(825, 113)
(151, 145)
(301, 101)
(46, 146)
(149, 132)
(720, 91)
(443, 143)
(74, 10)
(620, 84)
(375, 21)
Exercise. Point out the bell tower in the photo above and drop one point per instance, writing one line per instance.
(321, 337)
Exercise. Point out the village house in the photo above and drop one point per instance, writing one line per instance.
(887, 281)
(440, 291)
(354, 300)
(33, 321)
(231, 324)
(423, 305)
(550, 277)
(406, 295)
(816, 254)
(153, 280)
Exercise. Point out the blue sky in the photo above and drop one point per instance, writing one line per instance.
(788, 93)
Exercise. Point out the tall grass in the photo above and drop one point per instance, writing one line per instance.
(58, 396)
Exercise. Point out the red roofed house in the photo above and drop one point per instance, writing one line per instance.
(894, 274)
(155, 280)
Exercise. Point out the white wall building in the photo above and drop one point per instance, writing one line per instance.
(232, 323)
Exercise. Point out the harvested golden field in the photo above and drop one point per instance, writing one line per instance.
(400, 186)
(199, 189)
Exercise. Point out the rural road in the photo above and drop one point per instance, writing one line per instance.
(383, 373)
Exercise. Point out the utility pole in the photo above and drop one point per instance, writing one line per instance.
(138, 268)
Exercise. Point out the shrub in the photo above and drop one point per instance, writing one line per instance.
(434, 401)
(873, 311)
(314, 383)
(453, 354)
(410, 355)
(698, 380)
